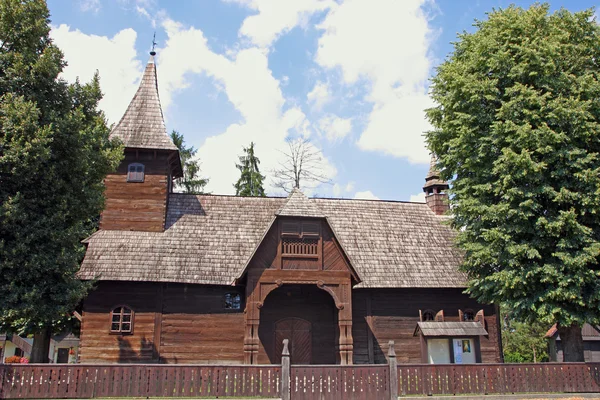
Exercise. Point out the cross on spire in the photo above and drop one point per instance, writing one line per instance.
(152, 52)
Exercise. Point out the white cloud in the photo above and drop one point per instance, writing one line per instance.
(89, 5)
(366, 195)
(339, 190)
(388, 48)
(114, 58)
(276, 17)
(418, 198)
(250, 86)
(319, 95)
(335, 128)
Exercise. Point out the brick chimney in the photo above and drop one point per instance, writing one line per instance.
(435, 189)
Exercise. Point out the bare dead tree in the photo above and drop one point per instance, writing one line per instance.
(302, 165)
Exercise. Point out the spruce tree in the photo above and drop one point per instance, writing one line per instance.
(191, 182)
(517, 132)
(54, 155)
(251, 181)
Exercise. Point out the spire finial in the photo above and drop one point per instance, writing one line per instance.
(152, 52)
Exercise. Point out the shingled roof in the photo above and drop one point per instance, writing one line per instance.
(298, 205)
(209, 239)
(142, 125)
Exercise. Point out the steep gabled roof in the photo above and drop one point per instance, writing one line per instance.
(142, 126)
(298, 205)
(208, 240)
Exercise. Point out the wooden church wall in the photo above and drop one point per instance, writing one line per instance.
(381, 315)
(197, 328)
(98, 344)
(137, 206)
(183, 323)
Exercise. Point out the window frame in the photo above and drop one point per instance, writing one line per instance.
(137, 179)
(120, 331)
(233, 309)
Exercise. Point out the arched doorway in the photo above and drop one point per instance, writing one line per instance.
(307, 317)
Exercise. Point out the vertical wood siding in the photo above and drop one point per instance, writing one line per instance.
(395, 313)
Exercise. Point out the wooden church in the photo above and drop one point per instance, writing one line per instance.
(186, 278)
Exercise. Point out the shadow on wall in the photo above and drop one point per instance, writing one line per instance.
(128, 355)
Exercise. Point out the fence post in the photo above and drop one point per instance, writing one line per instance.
(393, 364)
(285, 371)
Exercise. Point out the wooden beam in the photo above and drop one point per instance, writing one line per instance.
(370, 330)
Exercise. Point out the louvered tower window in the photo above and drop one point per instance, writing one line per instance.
(300, 239)
(135, 172)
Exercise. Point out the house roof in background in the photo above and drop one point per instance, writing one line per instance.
(209, 240)
(143, 126)
(589, 332)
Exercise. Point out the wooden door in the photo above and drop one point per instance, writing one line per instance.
(63, 356)
(299, 333)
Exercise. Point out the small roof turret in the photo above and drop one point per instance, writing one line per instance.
(143, 126)
(433, 180)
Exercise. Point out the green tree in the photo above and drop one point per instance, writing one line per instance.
(251, 181)
(524, 342)
(54, 155)
(516, 131)
(191, 182)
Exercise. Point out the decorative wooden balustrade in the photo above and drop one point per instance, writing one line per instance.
(295, 382)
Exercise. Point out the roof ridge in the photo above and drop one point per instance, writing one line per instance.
(298, 205)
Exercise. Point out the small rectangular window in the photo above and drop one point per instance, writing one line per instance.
(135, 172)
(233, 301)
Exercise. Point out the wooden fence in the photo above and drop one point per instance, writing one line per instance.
(295, 382)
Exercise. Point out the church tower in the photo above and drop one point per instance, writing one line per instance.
(137, 193)
(435, 190)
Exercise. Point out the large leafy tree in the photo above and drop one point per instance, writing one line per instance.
(54, 154)
(191, 182)
(251, 181)
(517, 132)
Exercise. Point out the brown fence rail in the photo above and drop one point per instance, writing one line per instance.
(89, 381)
(359, 382)
(296, 382)
(426, 379)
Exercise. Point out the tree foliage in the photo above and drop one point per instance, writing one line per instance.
(251, 181)
(516, 131)
(524, 342)
(191, 182)
(302, 165)
(54, 155)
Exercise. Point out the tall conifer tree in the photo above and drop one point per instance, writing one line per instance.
(54, 155)
(517, 132)
(191, 182)
(251, 181)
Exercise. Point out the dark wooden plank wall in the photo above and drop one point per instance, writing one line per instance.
(137, 205)
(196, 327)
(182, 323)
(98, 344)
(394, 314)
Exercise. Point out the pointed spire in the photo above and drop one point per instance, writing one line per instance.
(143, 126)
(298, 205)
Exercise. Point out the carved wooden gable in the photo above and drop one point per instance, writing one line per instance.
(300, 244)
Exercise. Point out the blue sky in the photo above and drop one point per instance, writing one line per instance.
(352, 76)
